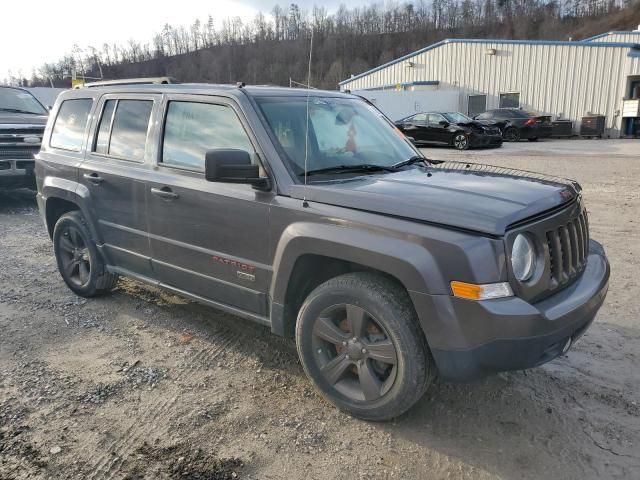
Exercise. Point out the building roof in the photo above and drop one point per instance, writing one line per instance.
(635, 33)
(582, 43)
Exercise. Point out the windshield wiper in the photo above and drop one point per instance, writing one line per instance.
(16, 110)
(411, 161)
(362, 167)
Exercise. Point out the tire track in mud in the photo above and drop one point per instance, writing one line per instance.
(145, 425)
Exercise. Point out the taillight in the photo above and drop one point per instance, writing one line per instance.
(529, 122)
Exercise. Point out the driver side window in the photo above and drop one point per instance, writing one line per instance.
(435, 119)
(192, 128)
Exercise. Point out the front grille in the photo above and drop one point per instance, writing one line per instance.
(22, 131)
(19, 153)
(568, 250)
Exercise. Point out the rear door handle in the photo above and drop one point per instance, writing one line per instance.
(93, 178)
(164, 192)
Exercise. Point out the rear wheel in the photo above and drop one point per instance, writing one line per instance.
(360, 343)
(511, 134)
(79, 262)
(460, 141)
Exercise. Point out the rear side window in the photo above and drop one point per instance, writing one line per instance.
(193, 128)
(68, 129)
(123, 129)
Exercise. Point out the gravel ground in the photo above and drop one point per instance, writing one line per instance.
(144, 384)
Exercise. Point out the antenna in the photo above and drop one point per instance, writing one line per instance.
(306, 134)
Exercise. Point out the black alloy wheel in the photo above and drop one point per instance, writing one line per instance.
(354, 353)
(512, 134)
(359, 341)
(74, 256)
(79, 262)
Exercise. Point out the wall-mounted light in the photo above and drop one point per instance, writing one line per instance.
(409, 64)
(490, 51)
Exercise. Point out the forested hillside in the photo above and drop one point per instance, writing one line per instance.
(274, 48)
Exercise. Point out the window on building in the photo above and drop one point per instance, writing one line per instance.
(477, 104)
(509, 100)
(68, 130)
(193, 128)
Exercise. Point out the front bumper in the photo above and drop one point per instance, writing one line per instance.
(477, 141)
(17, 173)
(478, 338)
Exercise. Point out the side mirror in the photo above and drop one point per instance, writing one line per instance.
(443, 123)
(229, 165)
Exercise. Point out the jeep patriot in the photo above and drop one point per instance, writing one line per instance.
(307, 211)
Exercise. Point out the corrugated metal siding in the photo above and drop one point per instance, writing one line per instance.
(558, 80)
(625, 37)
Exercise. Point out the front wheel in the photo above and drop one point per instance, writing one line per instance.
(359, 341)
(460, 141)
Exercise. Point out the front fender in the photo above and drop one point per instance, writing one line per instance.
(408, 262)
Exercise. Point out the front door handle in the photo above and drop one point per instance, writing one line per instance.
(164, 192)
(93, 178)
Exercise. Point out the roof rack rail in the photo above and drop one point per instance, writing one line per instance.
(130, 81)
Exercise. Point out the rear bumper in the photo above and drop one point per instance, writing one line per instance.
(17, 173)
(536, 131)
(511, 334)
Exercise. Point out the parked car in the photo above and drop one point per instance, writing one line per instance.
(517, 124)
(308, 212)
(22, 122)
(449, 128)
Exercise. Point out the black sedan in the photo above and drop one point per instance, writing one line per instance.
(517, 124)
(449, 128)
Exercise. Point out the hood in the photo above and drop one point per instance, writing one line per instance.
(22, 118)
(473, 197)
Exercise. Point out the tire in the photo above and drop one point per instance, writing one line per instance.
(78, 259)
(511, 134)
(533, 139)
(460, 141)
(394, 367)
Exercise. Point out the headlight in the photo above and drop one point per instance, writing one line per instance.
(523, 258)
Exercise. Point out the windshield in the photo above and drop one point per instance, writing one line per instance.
(342, 132)
(455, 117)
(20, 101)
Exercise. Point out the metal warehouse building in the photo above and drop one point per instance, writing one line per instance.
(567, 80)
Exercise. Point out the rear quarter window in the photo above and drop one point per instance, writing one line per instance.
(71, 121)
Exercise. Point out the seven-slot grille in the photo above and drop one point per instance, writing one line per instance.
(568, 250)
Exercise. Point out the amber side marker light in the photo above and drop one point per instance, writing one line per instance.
(472, 291)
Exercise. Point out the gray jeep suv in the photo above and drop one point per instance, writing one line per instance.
(310, 213)
(22, 122)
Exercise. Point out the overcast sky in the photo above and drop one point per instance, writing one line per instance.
(39, 31)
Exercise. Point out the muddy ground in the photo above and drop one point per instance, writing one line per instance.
(143, 384)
